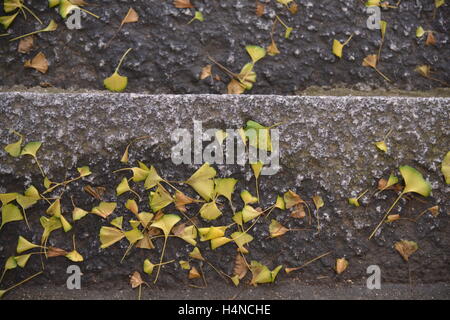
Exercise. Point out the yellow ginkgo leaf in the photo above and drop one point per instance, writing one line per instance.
(197, 16)
(256, 53)
(196, 254)
(31, 148)
(6, 21)
(104, 209)
(10, 213)
(249, 213)
(276, 229)
(25, 245)
(414, 181)
(248, 198)
(116, 82)
(202, 181)
(211, 233)
(262, 274)
(160, 198)
(341, 265)
(14, 149)
(241, 239)
(123, 187)
(210, 211)
(109, 236)
(225, 187)
(74, 256)
(218, 242)
(382, 146)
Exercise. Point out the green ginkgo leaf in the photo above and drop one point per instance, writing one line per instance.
(22, 260)
(414, 181)
(109, 236)
(11, 5)
(149, 266)
(6, 21)
(197, 16)
(74, 256)
(31, 148)
(49, 224)
(258, 135)
(14, 149)
(53, 3)
(445, 168)
(55, 208)
(202, 181)
(66, 7)
(6, 198)
(420, 32)
(160, 199)
(288, 32)
(262, 274)
(10, 213)
(280, 203)
(116, 82)
(84, 171)
(25, 245)
(382, 146)
(78, 214)
(65, 224)
(225, 187)
(52, 26)
(210, 211)
(256, 52)
(123, 187)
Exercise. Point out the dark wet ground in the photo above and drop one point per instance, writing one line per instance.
(169, 54)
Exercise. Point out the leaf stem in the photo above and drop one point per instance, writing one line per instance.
(32, 13)
(121, 59)
(161, 259)
(387, 213)
(88, 12)
(309, 262)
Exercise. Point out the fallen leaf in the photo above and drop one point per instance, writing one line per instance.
(235, 87)
(183, 4)
(202, 181)
(298, 211)
(291, 199)
(392, 217)
(55, 252)
(116, 82)
(26, 44)
(431, 40)
(136, 280)
(341, 265)
(181, 200)
(370, 61)
(406, 248)
(260, 8)
(132, 16)
(104, 209)
(240, 267)
(272, 49)
(39, 62)
(193, 273)
(445, 168)
(276, 229)
(206, 72)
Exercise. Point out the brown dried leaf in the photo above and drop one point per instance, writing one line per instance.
(78, 2)
(206, 72)
(194, 274)
(424, 70)
(240, 267)
(431, 40)
(136, 280)
(95, 192)
(183, 4)
(260, 8)
(39, 62)
(298, 211)
(393, 217)
(26, 44)
(181, 200)
(370, 61)
(178, 229)
(434, 211)
(272, 49)
(132, 16)
(341, 265)
(56, 252)
(145, 242)
(406, 248)
(235, 87)
(293, 8)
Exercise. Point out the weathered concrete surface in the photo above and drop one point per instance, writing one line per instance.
(326, 148)
(169, 54)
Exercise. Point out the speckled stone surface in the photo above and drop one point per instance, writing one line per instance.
(326, 146)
